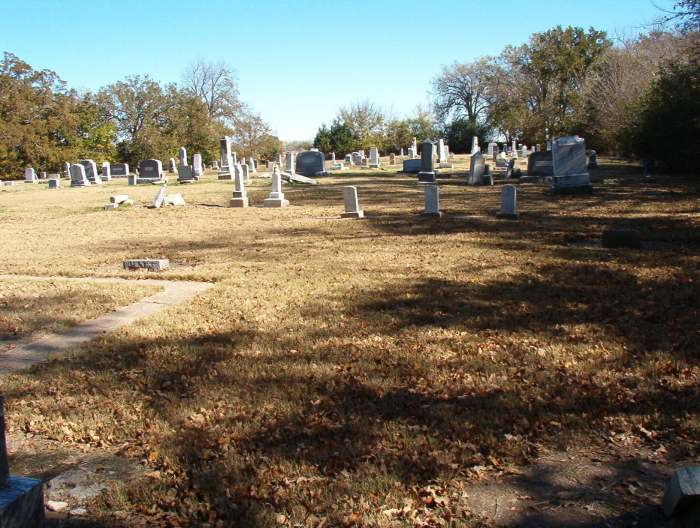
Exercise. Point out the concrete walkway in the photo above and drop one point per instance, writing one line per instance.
(30, 351)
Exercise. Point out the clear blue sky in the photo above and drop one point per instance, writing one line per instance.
(296, 61)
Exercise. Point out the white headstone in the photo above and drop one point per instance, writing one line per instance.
(240, 196)
(197, 167)
(442, 153)
(352, 207)
(569, 164)
(30, 175)
(475, 145)
(432, 200)
(106, 171)
(276, 197)
(508, 202)
(374, 157)
(78, 178)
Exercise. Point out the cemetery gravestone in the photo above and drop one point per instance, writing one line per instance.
(91, 171)
(508, 202)
(21, 499)
(150, 171)
(106, 171)
(310, 163)
(593, 160)
(411, 166)
(171, 165)
(392, 159)
(682, 497)
(352, 207)
(66, 169)
(276, 196)
(30, 175)
(78, 178)
(475, 145)
(492, 147)
(374, 158)
(289, 162)
(540, 164)
(442, 154)
(477, 166)
(54, 183)
(182, 155)
(427, 173)
(414, 146)
(569, 165)
(120, 170)
(197, 168)
(226, 171)
(147, 264)
(240, 196)
(245, 170)
(431, 199)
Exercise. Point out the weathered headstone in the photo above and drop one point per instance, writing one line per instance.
(245, 170)
(197, 168)
(431, 199)
(147, 264)
(78, 178)
(289, 162)
(477, 166)
(54, 183)
(276, 196)
(401, 152)
(310, 163)
(569, 165)
(150, 171)
(513, 149)
(414, 146)
(411, 166)
(159, 198)
(592, 160)
(120, 170)
(508, 202)
(475, 146)
(226, 171)
(374, 158)
(172, 166)
(540, 164)
(427, 172)
(30, 175)
(185, 174)
(352, 207)
(252, 166)
(182, 156)
(492, 147)
(392, 159)
(66, 169)
(21, 499)
(106, 171)
(91, 171)
(441, 151)
(240, 196)
(682, 497)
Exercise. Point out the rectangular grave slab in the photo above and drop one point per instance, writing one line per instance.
(147, 264)
(118, 198)
(150, 171)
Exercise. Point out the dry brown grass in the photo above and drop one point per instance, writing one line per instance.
(43, 306)
(364, 372)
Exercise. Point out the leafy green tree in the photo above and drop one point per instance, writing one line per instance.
(339, 138)
(366, 122)
(461, 131)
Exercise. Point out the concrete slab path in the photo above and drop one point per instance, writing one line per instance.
(32, 350)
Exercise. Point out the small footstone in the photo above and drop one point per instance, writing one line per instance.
(111, 207)
(149, 264)
(621, 238)
(682, 497)
(118, 198)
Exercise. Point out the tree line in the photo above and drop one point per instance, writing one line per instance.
(44, 123)
(637, 98)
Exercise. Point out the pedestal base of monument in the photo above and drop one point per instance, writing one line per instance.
(445, 165)
(225, 176)
(572, 184)
(275, 200)
(426, 177)
(373, 165)
(353, 214)
(434, 214)
(507, 216)
(238, 200)
(22, 503)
